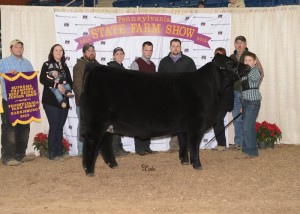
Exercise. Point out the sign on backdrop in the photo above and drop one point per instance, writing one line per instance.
(200, 35)
(22, 97)
(143, 25)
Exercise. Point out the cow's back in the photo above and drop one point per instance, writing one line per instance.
(162, 103)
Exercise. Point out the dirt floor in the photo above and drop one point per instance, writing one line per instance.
(267, 184)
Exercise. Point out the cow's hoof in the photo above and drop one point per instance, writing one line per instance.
(90, 174)
(185, 163)
(113, 165)
(196, 166)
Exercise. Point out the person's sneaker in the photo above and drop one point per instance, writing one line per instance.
(150, 151)
(63, 105)
(69, 94)
(221, 148)
(244, 156)
(58, 158)
(121, 153)
(66, 156)
(142, 153)
(12, 162)
(238, 147)
(235, 146)
(28, 158)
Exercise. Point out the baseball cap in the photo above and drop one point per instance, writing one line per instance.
(86, 47)
(14, 42)
(118, 49)
(241, 38)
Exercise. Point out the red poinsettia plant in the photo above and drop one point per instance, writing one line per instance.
(267, 132)
(40, 143)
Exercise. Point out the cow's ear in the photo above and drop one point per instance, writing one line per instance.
(219, 60)
(215, 61)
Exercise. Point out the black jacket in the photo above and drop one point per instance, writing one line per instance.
(183, 64)
(48, 97)
(115, 64)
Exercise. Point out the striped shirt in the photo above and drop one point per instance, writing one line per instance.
(254, 79)
(13, 63)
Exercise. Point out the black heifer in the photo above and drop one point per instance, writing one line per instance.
(150, 105)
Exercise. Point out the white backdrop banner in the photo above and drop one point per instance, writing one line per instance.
(200, 34)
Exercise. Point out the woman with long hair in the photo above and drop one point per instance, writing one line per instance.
(56, 112)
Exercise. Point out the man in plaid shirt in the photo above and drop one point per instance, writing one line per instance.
(14, 139)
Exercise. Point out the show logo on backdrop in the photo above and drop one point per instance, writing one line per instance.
(22, 97)
(200, 35)
(143, 25)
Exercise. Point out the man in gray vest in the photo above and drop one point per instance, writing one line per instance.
(144, 64)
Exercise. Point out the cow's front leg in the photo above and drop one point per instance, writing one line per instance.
(89, 154)
(194, 143)
(183, 148)
(107, 151)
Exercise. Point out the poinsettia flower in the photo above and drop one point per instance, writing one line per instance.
(40, 143)
(267, 132)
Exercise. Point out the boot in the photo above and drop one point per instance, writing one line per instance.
(117, 147)
(69, 94)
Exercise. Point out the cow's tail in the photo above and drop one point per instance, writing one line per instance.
(82, 119)
(89, 67)
(83, 128)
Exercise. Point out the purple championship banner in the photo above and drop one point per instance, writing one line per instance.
(22, 97)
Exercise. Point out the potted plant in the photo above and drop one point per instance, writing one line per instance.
(267, 134)
(40, 143)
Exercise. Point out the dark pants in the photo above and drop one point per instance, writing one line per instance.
(219, 128)
(117, 143)
(56, 118)
(141, 145)
(14, 139)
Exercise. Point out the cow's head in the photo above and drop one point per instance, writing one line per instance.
(231, 67)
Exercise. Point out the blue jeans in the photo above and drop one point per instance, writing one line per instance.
(79, 143)
(238, 123)
(56, 118)
(250, 113)
(57, 93)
